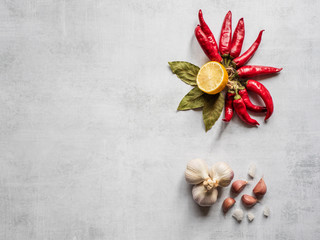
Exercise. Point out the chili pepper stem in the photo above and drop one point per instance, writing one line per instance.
(225, 63)
(237, 94)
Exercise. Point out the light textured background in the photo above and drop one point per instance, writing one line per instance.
(91, 145)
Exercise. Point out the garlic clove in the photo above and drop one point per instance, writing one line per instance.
(252, 170)
(204, 197)
(238, 186)
(248, 200)
(260, 189)
(238, 214)
(227, 204)
(197, 171)
(222, 174)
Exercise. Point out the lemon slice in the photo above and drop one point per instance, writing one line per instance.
(212, 78)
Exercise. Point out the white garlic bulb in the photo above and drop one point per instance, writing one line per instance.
(197, 171)
(221, 174)
(204, 197)
(207, 180)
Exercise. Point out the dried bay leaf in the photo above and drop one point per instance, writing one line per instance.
(212, 109)
(193, 99)
(187, 72)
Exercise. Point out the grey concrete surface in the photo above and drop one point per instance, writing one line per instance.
(91, 144)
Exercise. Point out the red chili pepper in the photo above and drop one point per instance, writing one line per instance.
(251, 71)
(263, 92)
(245, 57)
(240, 108)
(206, 45)
(206, 30)
(228, 107)
(244, 95)
(226, 35)
(237, 40)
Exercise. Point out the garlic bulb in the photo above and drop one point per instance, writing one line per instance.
(207, 180)
(197, 171)
(221, 174)
(204, 197)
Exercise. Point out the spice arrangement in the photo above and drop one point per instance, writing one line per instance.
(225, 70)
(207, 180)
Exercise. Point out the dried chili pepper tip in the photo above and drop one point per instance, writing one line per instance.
(226, 34)
(240, 108)
(253, 70)
(200, 15)
(246, 56)
(263, 92)
(237, 39)
(207, 40)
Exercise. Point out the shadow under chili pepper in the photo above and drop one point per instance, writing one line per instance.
(257, 100)
(258, 114)
(194, 50)
(221, 130)
(263, 77)
(238, 120)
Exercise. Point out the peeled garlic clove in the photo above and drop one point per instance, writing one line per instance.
(260, 189)
(238, 186)
(204, 197)
(222, 174)
(250, 216)
(197, 171)
(248, 200)
(227, 204)
(266, 211)
(252, 170)
(238, 214)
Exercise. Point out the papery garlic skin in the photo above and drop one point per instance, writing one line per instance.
(250, 216)
(197, 171)
(252, 170)
(238, 214)
(204, 197)
(222, 174)
(266, 211)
